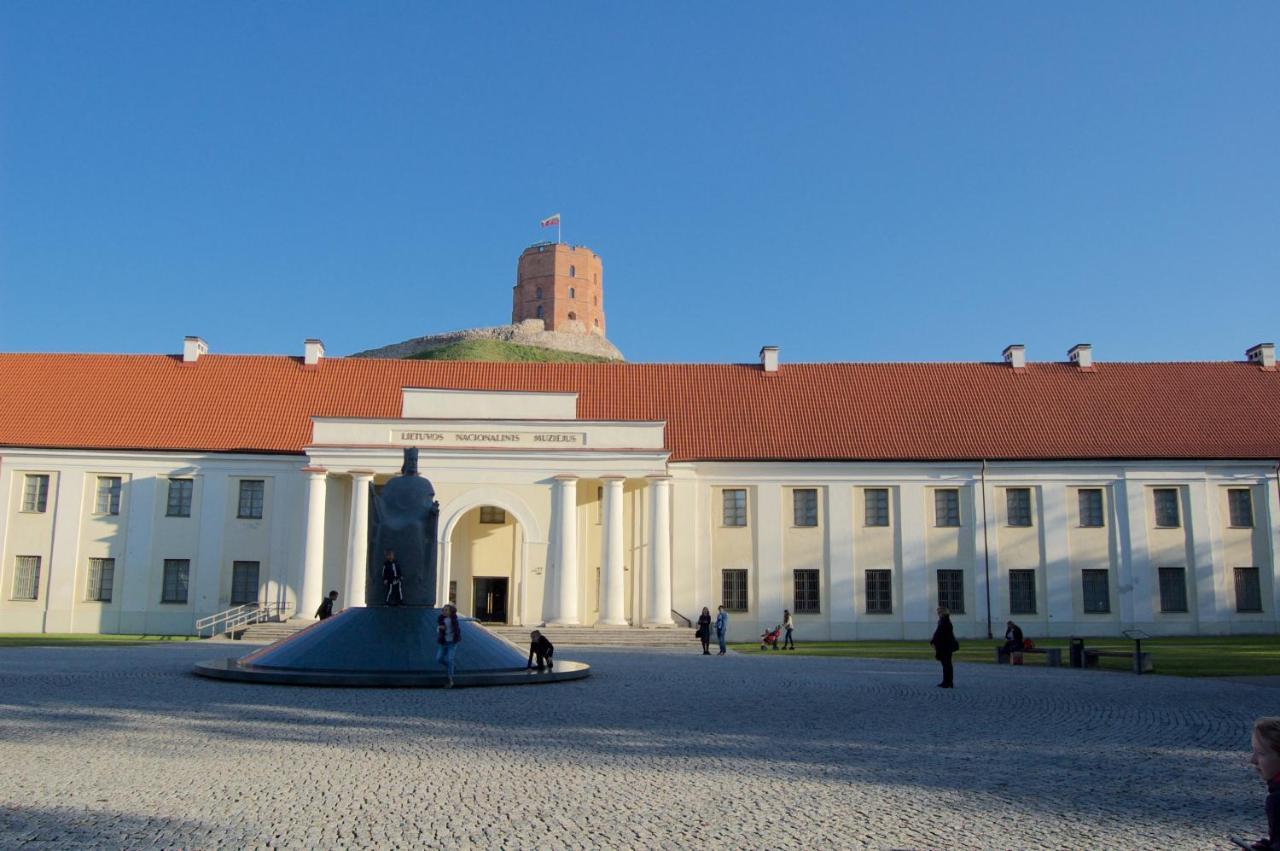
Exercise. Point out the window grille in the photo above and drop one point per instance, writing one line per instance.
(877, 506)
(735, 507)
(251, 493)
(879, 592)
(26, 578)
(1166, 502)
(102, 574)
(1018, 502)
(734, 590)
(1090, 501)
(179, 498)
(951, 590)
(1248, 590)
(453, 592)
(1096, 591)
(1022, 592)
(1173, 589)
(244, 582)
(177, 572)
(35, 494)
(491, 514)
(807, 595)
(1240, 501)
(107, 500)
(805, 506)
(946, 507)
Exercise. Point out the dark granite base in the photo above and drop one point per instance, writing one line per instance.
(232, 669)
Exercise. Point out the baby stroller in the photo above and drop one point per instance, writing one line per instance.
(770, 638)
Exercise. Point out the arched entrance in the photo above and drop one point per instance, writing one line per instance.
(484, 546)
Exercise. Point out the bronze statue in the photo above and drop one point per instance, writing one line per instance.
(403, 518)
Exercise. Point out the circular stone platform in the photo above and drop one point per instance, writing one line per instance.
(379, 647)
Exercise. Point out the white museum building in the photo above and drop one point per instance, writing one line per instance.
(142, 493)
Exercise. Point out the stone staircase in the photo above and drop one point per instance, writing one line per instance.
(678, 637)
(269, 631)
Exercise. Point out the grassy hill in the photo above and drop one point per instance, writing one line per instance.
(503, 352)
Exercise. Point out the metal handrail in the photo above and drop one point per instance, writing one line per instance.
(238, 616)
(681, 617)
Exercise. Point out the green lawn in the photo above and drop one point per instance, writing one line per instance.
(502, 351)
(1184, 657)
(83, 639)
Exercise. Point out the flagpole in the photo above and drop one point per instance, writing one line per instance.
(558, 240)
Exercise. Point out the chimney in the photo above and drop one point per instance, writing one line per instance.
(769, 358)
(312, 352)
(1263, 354)
(193, 348)
(1081, 354)
(1015, 355)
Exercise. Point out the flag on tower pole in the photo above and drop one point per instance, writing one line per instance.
(553, 219)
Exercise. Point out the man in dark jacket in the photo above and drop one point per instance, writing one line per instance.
(540, 647)
(326, 606)
(391, 579)
(944, 646)
(1012, 638)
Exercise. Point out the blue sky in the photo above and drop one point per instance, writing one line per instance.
(850, 181)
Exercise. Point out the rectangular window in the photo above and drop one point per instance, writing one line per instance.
(879, 592)
(599, 505)
(735, 507)
(251, 492)
(1097, 592)
(877, 506)
(244, 582)
(951, 590)
(177, 572)
(26, 578)
(734, 590)
(1173, 589)
(1018, 503)
(1240, 501)
(35, 494)
(490, 514)
(946, 507)
(1166, 507)
(102, 575)
(1090, 500)
(179, 498)
(1248, 590)
(108, 498)
(807, 598)
(804, 505)
(453, 592)
(1022, 592)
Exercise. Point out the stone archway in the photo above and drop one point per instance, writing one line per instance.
(527, 533)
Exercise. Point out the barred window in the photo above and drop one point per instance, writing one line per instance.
(177, 572)
(807, 596)
(179, 498)
(453, 592)
(1018, 503)
(877, 506)
(804, 503)
(102, 575)
(35, 494)
(244, 582)
(1248, 590)
(879, 592)
(1166, 501)
(946, 507)
(734, 590)
(251, 493)
(491, 514)
(26, 578)
(1240, 501)
(1090, 501)
(735, 507)
(1173, 589)
(1097, 591)
(108, 497)
(951, 590)
(1022, 592)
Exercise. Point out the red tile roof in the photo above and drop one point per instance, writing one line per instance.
(841, 411)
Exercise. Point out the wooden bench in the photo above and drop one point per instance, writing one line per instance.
(1141, 661)
(1052, 655)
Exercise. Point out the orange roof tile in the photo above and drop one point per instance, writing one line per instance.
(841, 411)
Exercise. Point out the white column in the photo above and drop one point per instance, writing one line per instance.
(135, 581)
(658, 606)
(1136, 575)
(1058, 572)
(60, 595)
(311, 588)
(766, 525)
(358, 543)
(208, 569)
(840, 570)
(1207, 572)
(1270, 520)
(564, 554)
(917, 609)
(613, 594)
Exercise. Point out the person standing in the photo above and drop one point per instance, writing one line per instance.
(788, 643)
(447, 638)
(944, 646)
(326, 606)
(391, 578)
(704, 630)
(1266, 761)
(722, 627)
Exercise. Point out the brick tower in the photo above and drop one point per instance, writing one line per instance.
(561, 285)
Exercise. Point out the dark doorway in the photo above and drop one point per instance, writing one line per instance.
(490, 600)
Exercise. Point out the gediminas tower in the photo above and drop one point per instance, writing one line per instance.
(561, 285)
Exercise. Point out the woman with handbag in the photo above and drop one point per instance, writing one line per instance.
(704, 630)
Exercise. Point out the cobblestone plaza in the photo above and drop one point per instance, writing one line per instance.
(123, 747)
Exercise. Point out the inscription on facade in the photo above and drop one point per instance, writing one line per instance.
(527, 439)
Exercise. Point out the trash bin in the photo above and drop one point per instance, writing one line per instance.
(1077, 652)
